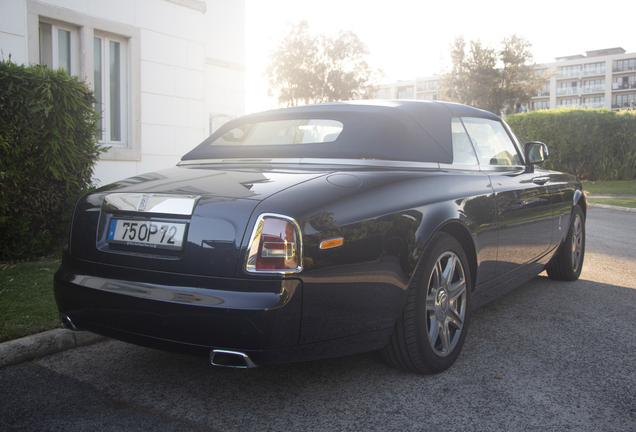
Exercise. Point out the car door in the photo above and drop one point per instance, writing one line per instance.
(524, 208)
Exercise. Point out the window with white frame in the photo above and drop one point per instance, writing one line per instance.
(59, 47)
(102, 53)
(111, 84)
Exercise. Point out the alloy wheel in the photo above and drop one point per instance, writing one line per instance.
(446, 304)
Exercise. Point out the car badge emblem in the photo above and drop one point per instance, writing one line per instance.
(142, 202)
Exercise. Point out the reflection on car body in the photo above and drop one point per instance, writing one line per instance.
(320, 231)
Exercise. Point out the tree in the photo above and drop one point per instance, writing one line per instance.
(492, 80)
(48, 147)
(311, 69)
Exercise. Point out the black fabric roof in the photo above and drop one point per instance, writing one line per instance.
(382, 129)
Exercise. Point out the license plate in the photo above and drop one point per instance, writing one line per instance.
(158, 235)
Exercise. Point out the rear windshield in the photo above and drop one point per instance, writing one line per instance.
(282, 132)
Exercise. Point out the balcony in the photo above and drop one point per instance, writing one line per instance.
(543, 93)
(595, 71)
(568, 91)
(570, 73)
(599, 88)
(617, 86)
(405, 94)
(621, 105)
(624, 68)
(536, 107)
(427, 87)
(594, 105)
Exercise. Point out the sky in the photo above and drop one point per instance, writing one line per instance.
(409, 39)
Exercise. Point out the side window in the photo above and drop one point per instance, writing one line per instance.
(492, 142)
(463, 151)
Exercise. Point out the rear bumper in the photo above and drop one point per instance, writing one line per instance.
(183, 313)
(196, 314)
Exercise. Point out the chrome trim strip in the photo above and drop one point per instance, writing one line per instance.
(316, 161)
(151, 203)
(252, 246)
(182, 295)
(372, 163)
(501, 168)
(459, 167)
(238, 161)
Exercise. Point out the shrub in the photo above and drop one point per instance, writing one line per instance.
(592, 144)
(47, 151)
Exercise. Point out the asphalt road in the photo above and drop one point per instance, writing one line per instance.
(549, 356)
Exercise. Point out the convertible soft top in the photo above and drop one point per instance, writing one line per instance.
(382, 130)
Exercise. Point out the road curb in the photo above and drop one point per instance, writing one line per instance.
(43, 344)
(611, 207)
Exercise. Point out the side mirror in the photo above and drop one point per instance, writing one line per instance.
(536, 152)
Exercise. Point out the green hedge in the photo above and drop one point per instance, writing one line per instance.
(47, 151)
(592, 144)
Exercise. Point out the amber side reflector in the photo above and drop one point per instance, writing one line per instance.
(331, 243)
(587, 204)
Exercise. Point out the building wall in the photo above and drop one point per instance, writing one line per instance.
(185, 68)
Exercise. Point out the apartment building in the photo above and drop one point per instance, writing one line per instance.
(423, 88)
(601, 78)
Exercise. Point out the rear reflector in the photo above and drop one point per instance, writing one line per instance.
(275, 246)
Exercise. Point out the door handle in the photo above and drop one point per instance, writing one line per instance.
(541, 180)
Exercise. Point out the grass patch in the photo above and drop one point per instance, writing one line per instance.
(27, 303)
(620, 202)
(610, 187)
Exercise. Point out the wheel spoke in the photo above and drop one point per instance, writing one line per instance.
(433, 288)
(444, 336)
(449, 271)
(430, 301)
(434, 331)
(454, 317)
(457, 289)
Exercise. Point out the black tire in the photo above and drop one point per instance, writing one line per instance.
(430, 333)
(568, 262)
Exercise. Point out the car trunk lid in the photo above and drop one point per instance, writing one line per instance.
(185, 220)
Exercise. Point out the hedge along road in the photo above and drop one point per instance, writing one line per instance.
(547, 356)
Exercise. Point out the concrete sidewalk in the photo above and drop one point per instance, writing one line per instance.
(611, 207)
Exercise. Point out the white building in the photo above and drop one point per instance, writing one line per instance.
(422, 88)
(166, 72)
(602, 78)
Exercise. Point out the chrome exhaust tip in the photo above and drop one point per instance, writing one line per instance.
(68, 323)
(232, 359)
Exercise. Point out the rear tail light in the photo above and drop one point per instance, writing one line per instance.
(275, 246)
